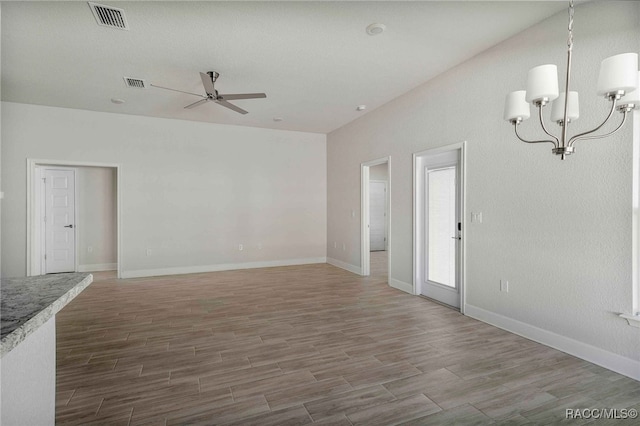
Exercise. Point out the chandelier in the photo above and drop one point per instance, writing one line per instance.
(618, 82)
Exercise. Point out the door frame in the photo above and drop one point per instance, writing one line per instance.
(365, 257)
(33, 263)
(419, 213)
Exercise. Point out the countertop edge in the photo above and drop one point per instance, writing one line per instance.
(25, 330)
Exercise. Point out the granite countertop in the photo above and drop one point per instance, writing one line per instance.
(27, 303)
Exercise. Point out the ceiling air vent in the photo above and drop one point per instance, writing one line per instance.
(108, 16)
(136, 83)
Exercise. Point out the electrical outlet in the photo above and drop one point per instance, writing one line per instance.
(504, 286)
(335, 244)
(89, 249)
(344, 247)
(259, 246)
(148, 252)
(240, 247)
(476, 217)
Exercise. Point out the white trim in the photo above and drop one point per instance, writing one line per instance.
(365, 257)
(343, 265)
(632, 320)
(180, 270)
(635, 220)
(604, 358)
(39, 228)
(401, 285)
(76, 219)
(31, 165)
(417, 202)
(98, 267)
(118, 221)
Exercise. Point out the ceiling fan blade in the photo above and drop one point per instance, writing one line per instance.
(208, 84)
(197, 103)
(230, 97)
(230, 106)
(176, 90)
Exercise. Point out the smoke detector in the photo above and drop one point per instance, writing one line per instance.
(375, 29)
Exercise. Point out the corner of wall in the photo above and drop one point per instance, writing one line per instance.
(401, 285)
(344, 265)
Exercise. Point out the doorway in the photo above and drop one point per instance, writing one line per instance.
(375, 214)
(378, 214)
(438, 224)
(73, 217)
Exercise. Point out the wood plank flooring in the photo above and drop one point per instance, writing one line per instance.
(304, 345)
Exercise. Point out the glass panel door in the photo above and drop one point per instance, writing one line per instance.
(441, 229)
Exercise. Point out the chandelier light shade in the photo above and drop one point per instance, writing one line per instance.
(618, 73)
(618, 82)
(516, 107)
(633, 97)
(542, 83)
(557, 108)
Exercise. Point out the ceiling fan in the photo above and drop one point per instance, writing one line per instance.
(208, 80)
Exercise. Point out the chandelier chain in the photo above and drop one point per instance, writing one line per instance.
(570, 27)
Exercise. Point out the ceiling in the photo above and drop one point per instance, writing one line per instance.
(314, 60)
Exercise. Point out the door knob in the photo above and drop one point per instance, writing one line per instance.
(68, 226)
(457, 238)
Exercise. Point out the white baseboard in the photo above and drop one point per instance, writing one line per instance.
(401, 285)
(344, 265)
(180, 270)
(601, 357)
(97, 267)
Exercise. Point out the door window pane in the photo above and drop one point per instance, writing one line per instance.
(441, 262)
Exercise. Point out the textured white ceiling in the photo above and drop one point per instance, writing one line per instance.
(314, 60)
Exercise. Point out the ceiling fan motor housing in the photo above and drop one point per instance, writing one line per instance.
(214, 76)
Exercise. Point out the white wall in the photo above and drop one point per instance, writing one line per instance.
(190, 192)
(97, 242)
(560, 232)
(28, 382)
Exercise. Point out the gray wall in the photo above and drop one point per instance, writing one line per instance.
(97, 242)
(190, 192)
(559, 231)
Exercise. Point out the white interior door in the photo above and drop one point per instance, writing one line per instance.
(377, 215)
(442, 233)
(59, 221)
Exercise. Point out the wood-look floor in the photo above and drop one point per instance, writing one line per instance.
(301, 345)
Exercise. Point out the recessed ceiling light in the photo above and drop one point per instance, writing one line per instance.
(276, 119)
(375, 29)
(117, 101)
(361, 107)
